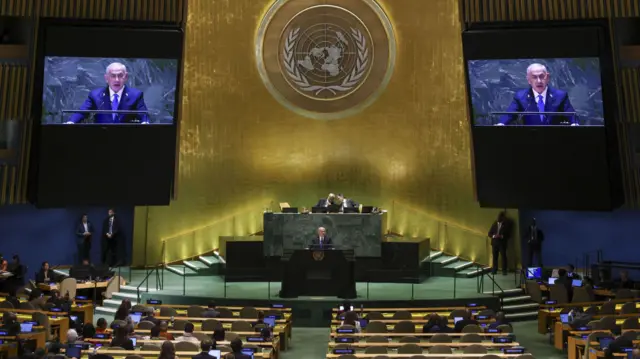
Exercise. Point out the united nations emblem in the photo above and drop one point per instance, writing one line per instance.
(322, 59)
(318, 255)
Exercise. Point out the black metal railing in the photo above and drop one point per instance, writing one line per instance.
(159, 275)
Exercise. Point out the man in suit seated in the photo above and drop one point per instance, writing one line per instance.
(466, 320)
(115, 96)
(346, 202)
(322, 240)
(326, 202)
(564, 280)
(540, 97)
(205, 346)
(571, 272)
(45, 275)
(236, 348)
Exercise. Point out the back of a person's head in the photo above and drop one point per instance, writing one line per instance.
(88, 331)
(350, 318)
(261, 315)
(434, 319)
(188, 328)
(40, 353)
(467, 315)
(72, 335)
(155, 331)
(35, 294)
(562, 272)
(206, 345)
(102, 323)
(212, 304)
(236, 345)
(219, 334)
(168, 350)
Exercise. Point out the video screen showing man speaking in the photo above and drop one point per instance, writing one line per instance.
(82, 90)
(536, 92)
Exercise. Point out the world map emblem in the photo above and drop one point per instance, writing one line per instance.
(325, 59)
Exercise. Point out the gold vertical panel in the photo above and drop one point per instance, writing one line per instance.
(241, 151)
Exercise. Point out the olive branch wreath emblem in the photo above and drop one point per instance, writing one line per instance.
(349, 82)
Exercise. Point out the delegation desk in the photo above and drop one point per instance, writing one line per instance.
(419, 335)
(38, 334)
(283, 325)
(395, 345)
(121, 354)
(547, 315)
(439, 356)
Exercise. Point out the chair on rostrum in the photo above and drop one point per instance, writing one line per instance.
(608, 308)
(475, 349)
(533, 290)
(249, 313)
(187, 347)
(409, 339)
(559, 293)
(195, 311)
(404, 326)
(168, 312)
(375, 350)
(377, 339)
(376, 327)
(410, 349)
(402, 315)
(472, 328)
(441, 338)
(629, 308)
(471, 338)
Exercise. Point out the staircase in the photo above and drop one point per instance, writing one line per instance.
(201, 265)
(516, 304)
(110, 306)
(444, 265)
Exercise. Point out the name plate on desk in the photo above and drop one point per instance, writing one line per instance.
(493, 330)
(345, 331)
(482, 317)
(345, 340)
(344, 351)
(255, 339)
(515, 350)
(502, 340)
(4, 333)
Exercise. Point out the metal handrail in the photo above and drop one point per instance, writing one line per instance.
(159, 284)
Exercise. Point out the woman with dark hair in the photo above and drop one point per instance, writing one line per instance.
(123, 311)
(351, 318)
(443, 327)
(45, 275)
(84, 232)
(121, 338)
(168, 351)
(88, 331)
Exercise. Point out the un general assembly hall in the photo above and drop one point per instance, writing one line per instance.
(319, 179)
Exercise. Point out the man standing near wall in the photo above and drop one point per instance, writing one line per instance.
(500, 233)
(110, 239)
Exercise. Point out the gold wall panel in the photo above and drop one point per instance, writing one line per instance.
(526, 10)
(241, 151)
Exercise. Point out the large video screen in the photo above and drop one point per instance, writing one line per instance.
(536, 92)
(88, 90)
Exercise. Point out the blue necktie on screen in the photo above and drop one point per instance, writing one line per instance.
(541, 107)
(114, 107)
(111, 221)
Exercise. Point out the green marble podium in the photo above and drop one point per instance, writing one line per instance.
(290, 231)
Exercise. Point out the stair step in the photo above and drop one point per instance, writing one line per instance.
(181, 270)
(521, 315)
(129, 288)
(195, 265)
(518, 307)
(209, 260)
(472, 271)
(507, 292)
(112, 303)
(122, 295)
(445, 259)
(106, 310)
(459, 265)
(520, 298)
(434, 254)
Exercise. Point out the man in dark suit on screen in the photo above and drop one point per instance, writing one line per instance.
(499, 233)
(540, 97)
(115, 96)
(322, 241)
(110, 239)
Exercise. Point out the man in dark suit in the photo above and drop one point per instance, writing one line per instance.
(110, 239)
(500, 233)
(322, 240)
(115, 96)
(45, 275)
(466, 320)
(236, 348)
(564, 280)
(540, 97)
(326, 202)
(346, 202)
(84, 232)
(205, 346)
(534, 237)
